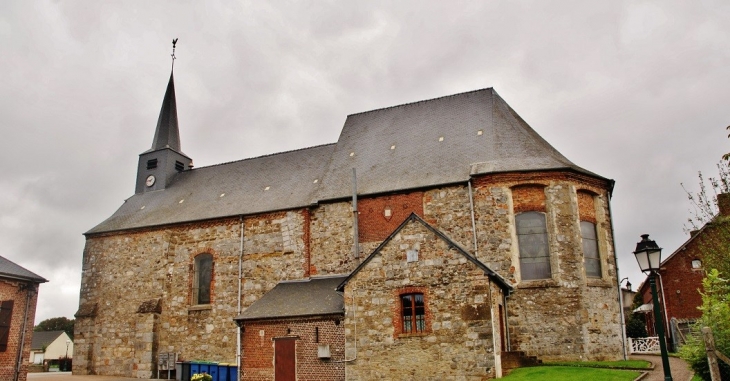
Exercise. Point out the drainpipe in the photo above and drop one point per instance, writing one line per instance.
(28, 294)
(355, 238)
(664, 306)
(473, 221)
(618, 282)
(240, 276)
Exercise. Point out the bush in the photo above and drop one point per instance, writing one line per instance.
(716, 315)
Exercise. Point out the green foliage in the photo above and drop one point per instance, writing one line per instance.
(716, 315)
(57, 324)
(635, 324)
(566, 373)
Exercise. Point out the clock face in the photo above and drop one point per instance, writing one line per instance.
(150, 180)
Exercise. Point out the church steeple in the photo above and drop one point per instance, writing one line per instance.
(167, 134)
(158, 165)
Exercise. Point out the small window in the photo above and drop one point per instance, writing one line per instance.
(152, 164)
(696, 264)
(6, 313)
(413, 312)
(202, 280)
(533, 244)
(179, 166)
(590, 249)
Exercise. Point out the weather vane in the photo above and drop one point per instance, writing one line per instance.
(174, 41)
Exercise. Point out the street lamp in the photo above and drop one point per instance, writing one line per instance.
(649, 255)
(66, 358)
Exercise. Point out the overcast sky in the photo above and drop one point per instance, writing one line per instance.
(636, 91)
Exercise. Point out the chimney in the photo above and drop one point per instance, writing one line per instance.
(723, 203)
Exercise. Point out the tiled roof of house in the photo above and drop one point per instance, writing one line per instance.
(44, 338)
(9, 269)
(301, 298)
(424, 144)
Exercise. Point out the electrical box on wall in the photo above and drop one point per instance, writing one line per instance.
(323, 351)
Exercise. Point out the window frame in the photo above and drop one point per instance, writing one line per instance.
(413, 323)
(522, 246)
(199, 293)
(6, 320)
(596, 249)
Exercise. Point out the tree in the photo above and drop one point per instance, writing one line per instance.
(57, 324)
(635, 323)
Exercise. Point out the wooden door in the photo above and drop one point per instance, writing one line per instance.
(285, 359)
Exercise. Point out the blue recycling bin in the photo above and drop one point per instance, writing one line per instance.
(194, 368)
(232, 373)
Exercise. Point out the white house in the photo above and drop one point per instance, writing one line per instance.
(50, 345)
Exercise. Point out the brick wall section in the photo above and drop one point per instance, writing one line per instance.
(586, 206)
(374, 226)
(9, 290)
(459, 343)
(528, 198)
(332, 240)
(258, 348)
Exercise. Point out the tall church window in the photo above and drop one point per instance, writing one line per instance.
(202, 278)
(532, 240)
(590, 249)
(413, 312)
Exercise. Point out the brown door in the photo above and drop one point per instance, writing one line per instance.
(284, 360)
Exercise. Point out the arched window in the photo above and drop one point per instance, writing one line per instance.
(202, 279)
(590, 249)
(413, 311)
(532, 240)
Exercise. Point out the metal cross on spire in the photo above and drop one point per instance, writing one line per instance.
(174, 41)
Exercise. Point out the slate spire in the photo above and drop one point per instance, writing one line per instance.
(167, 134)
(158, 166)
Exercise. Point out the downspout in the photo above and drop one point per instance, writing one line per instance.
(355, 233)
(618, 282)
(473, 221)
(238, 329)
(28, 294)
(505, 296)
(664, 306)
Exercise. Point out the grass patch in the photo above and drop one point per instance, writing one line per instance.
(568, 373)
(628, 364)
(696, 378)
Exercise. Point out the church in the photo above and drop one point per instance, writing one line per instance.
(434, 240)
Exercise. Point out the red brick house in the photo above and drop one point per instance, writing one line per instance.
(18, 297)
(680, 278)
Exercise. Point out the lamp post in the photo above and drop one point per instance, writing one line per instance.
(649, 255)
(66, 358)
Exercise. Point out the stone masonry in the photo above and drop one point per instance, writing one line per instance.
(568, 316)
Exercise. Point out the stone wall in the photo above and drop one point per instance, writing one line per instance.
(580, 310)
(22, 294)
(458, 341)
(122, 271)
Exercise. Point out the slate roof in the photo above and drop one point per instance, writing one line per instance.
(9, 269)
(44, 338)
(496, 278)
(434, 142)
(308, 297)
(167, 134)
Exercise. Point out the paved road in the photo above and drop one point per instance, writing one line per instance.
(67, 376)
(679, 369)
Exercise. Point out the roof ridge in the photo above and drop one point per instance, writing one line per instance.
(259, 157)
(421, 101)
